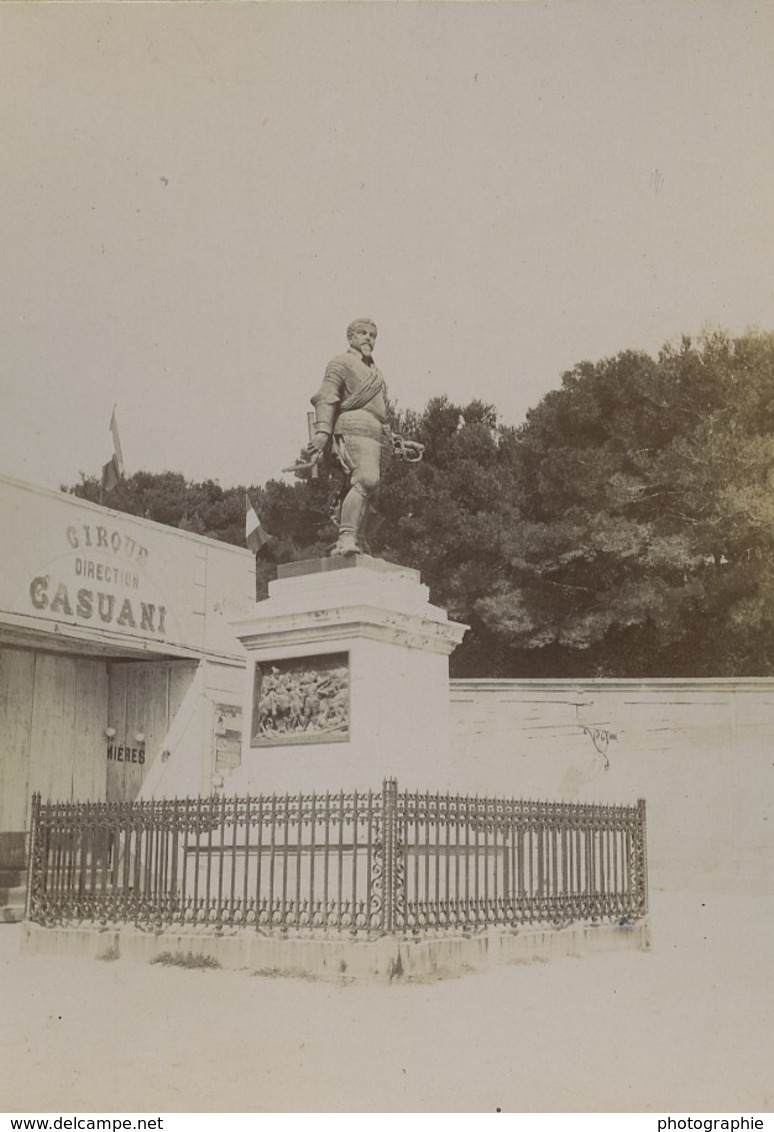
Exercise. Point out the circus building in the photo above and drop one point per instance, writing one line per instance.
(120, 674)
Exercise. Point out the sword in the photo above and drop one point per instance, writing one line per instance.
(307, 463)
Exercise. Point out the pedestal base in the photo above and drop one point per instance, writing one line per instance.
(347, 681)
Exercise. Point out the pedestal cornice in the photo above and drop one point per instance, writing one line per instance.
(408, 630)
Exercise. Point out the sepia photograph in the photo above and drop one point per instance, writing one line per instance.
(386, 559)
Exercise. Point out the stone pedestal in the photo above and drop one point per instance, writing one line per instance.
(347, 681)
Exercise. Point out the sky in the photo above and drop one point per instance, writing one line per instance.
(196, 200)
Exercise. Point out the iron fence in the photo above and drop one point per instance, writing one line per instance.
(363, 863)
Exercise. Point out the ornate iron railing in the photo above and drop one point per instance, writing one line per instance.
(363, 863)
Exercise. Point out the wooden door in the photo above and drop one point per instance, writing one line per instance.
(144, 698)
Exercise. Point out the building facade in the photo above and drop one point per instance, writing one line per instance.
(119, 670)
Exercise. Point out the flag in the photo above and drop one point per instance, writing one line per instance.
(113, 471)
(255, 535)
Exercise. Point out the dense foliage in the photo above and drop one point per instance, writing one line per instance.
(647, 529)
(627, 528)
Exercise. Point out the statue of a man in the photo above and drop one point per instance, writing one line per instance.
(351, 412)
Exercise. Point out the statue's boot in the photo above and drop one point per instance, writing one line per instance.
(346, 544)
(353, 511)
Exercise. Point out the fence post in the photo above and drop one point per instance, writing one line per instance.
(31, 853)
(641, 851)
(389, 837)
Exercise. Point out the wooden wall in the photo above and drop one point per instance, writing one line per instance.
(53, 714)
(17, 675)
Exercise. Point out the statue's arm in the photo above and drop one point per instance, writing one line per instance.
(326, 403)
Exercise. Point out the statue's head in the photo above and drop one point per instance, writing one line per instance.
(361, 335)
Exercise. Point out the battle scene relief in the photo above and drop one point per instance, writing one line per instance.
(301, 700)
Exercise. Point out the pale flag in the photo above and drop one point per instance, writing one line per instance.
(113, 471)
(255, 535)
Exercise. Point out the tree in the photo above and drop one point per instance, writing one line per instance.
(646, 541)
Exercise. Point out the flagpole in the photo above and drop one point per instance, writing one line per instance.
(102, 477)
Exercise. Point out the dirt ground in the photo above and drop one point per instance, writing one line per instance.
(686, 1027)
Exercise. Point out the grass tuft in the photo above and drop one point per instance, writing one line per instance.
(190, 961)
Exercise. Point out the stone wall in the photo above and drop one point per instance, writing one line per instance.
(699, 751)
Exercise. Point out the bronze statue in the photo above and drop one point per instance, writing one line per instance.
(351, 416)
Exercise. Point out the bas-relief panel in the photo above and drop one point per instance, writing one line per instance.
(301, 700)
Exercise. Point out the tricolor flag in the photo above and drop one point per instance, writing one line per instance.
(255, 535)
(113, 471)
